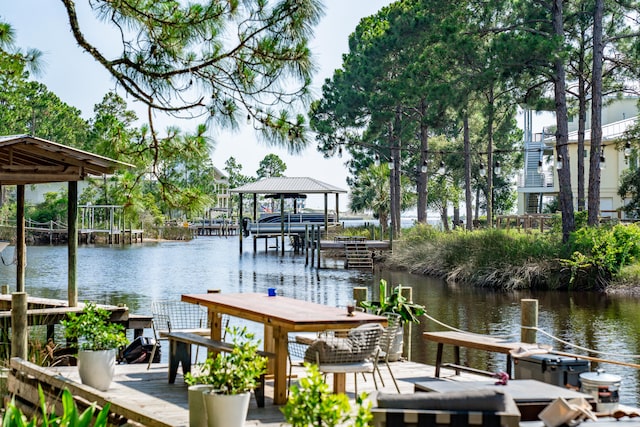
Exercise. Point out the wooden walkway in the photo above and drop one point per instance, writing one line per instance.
(149, 391)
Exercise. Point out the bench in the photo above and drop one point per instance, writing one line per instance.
(180, 353)
(479, 342)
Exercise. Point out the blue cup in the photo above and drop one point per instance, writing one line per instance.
(271, 292)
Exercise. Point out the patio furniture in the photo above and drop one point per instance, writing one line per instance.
(280, 316)
(475, 341)
(394, 325)
(354, 351)
(531, 396)
(177, 316)
(297, 347)
(492, 408)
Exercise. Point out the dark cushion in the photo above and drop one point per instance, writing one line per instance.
(472, 400)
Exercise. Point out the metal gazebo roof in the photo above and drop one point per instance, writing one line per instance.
(288, 185)
(26, 159)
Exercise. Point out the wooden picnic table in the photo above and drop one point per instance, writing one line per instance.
(280, 315)
(479, 342)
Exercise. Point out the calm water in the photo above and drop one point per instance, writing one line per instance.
(137, 274)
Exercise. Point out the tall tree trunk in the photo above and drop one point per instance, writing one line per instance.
(562, 133)
(467, 173)
(396, 173)
(490, 118)
(444, 217)
(456, 216)
(596, 116)
(392, 187)
(423, 177)
(582, 115)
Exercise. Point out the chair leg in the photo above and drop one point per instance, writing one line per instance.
(379, 374)
(153, 354)
(392, 376)
(355, 380)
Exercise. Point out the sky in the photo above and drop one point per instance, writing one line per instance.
(80, 81)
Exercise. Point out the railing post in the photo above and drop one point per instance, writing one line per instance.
(19, 326)
(360, 293)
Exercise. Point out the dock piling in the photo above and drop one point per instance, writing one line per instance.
(528, 320)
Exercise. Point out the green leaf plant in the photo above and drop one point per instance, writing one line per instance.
(235, 372)
(394, 302)
(312, 403)
(71, 417)
(93, 330)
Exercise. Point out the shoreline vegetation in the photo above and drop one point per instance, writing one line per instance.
(602, 259)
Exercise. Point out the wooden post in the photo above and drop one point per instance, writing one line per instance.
(21, 250)
(240, 224)
(5, 289)
(360, 293)
(282, 223)
(306, 244)
(19, 326)
(72, 243)
(318, 244)
(407, 292)
(312, 244)
(528, 320)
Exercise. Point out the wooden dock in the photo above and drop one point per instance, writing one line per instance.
(158, 403)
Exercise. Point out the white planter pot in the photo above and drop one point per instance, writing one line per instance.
(226, 410)
(96, 368)
(197, 413)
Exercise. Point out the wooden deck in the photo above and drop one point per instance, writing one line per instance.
(149, 391)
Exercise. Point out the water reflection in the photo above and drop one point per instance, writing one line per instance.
(135, 275)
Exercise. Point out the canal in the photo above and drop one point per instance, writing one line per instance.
(137, 274)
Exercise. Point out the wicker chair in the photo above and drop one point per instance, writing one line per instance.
(171, 316)
(296, 350)
(355, 351)
(394, 325)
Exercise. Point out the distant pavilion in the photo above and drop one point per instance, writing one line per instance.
(288, 187)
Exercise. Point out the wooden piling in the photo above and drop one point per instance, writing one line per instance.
(528, 320)
(407, 292)
(19, 325)
(360, 293)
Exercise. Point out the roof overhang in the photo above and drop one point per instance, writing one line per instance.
(26, 159)
(288, 185)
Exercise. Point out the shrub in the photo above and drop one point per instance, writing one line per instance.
(311, 403)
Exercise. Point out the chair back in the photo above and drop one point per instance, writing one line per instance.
(359, 345)
(390, 334)
(171, 315)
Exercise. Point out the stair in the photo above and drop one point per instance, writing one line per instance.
(357, 255)
(533, 201)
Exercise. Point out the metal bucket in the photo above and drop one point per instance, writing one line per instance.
(603, 387)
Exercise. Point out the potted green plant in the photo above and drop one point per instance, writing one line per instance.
(232, 376)
(98, 341)
(312, 403)
(395, 302)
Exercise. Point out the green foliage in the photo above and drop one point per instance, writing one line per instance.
(488, 257)
(395, 302)
(71, 417)
(54, 208)
(271, 166)
(599, 253)
(420, 232)
(93, 330)
(234, 372)
(312, 403)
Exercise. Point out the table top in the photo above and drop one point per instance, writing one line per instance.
(522, 391)
(290, 313)
(481, 342)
